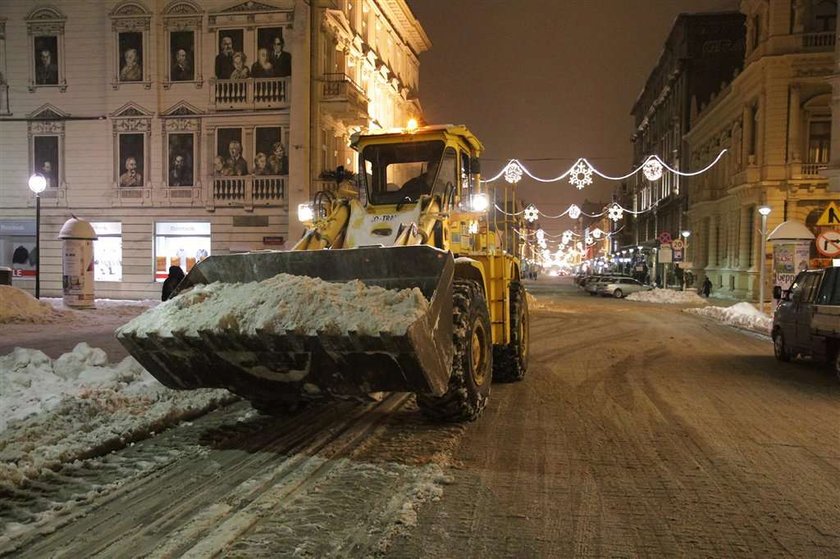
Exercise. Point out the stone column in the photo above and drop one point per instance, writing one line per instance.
(761, 110)
(794, 141)
(744, 238)
(713, 241)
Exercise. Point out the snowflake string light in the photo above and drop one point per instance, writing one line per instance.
(540, 235)
(589, 240)
(542, 244)
(597, 233)
(574, 211)
(616, 212)
(652, 169)
(513, 172)
(581, 174)
(531, 213)
(567, 237)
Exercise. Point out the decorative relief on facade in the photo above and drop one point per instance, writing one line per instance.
(182, 124)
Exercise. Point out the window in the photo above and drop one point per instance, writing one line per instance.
(819, 141)
(130, 22)
(45, 28)
(107, 251)
(181, 127)
(182, 20)
(180, 244)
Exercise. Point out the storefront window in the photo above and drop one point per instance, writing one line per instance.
(182, 243)
(17, 247)
(107, 251)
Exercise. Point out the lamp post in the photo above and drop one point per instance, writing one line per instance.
(764, 211)
(37, 184)
(685, 235)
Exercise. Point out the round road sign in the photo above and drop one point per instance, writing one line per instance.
(828, 243)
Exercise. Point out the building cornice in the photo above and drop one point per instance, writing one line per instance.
(406, 25)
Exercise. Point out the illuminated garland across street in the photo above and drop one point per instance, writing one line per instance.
(580, 174)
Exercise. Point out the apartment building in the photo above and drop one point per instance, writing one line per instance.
(700, 57)
(181, 129)
(774, 119)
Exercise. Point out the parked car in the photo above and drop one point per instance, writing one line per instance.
(592, 287)
(807, 320)
(621, 287)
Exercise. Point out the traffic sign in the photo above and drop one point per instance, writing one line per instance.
(831, 216)
(828, 243)
(664, 237)
(677, 244)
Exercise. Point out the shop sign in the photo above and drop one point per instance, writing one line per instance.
(18, 228)
(189, 228)
(107, 228)
(274, 241)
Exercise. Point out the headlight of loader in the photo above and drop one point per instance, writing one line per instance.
(305, 212)
(479, 202)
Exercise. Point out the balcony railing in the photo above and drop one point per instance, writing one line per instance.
(249, 190)
(824, 40)
(250, 93)
(813, 169)
(344, 98)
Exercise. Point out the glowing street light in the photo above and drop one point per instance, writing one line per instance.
(685, 235)
(37, 184)
(764, 211)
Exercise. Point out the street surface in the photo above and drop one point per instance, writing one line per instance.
(639, 431)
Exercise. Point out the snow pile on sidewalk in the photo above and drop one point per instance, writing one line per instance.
(16, 305)
(667, 296)
(57, 411)
(743, 315)
(283, 303)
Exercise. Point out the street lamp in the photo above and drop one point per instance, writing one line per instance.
(37, 184)
(764, 211)
(685, 235)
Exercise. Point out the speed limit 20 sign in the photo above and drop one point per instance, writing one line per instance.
(828, 244)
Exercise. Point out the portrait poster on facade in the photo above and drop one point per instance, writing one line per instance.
(230, 42)
(271, 157)
(131, 159)
(182, 56)
(181, 158)
(230, 160)
(273, 60)
(131, 56)
(46, 60)
(45, 158)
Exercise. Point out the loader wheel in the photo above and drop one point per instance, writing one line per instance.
(511, 361)
(277, 408)
(472, 362)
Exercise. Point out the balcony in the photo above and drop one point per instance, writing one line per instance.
(249, 191)
(344, 100)
(818, 41)
(250, 94)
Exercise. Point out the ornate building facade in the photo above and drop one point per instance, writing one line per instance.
(775, 121)
(183, 128)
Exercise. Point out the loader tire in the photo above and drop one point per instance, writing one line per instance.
(277, 408)
(511, 361)
(472, 362)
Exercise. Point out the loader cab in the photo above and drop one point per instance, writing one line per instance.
(400, 173)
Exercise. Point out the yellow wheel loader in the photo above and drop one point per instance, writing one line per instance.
(418, 217)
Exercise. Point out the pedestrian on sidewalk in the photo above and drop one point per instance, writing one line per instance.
(707, 287)
(176, 274)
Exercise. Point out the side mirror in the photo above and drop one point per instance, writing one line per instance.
(475, 165)
(777, 291)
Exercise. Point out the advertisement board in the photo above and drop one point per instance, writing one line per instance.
(788, 260)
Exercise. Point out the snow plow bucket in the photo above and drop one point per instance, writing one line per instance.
(270, 366)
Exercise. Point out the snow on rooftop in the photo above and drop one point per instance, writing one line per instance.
(668, 296)
(53, 411)
(16, 305)
(284, 303)
(743, 315)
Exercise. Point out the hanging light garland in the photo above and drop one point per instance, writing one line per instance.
(580, 173)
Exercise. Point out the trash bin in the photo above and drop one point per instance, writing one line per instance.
(77, 263)
(5, 276)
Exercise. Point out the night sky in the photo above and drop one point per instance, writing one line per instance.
(546, 81)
